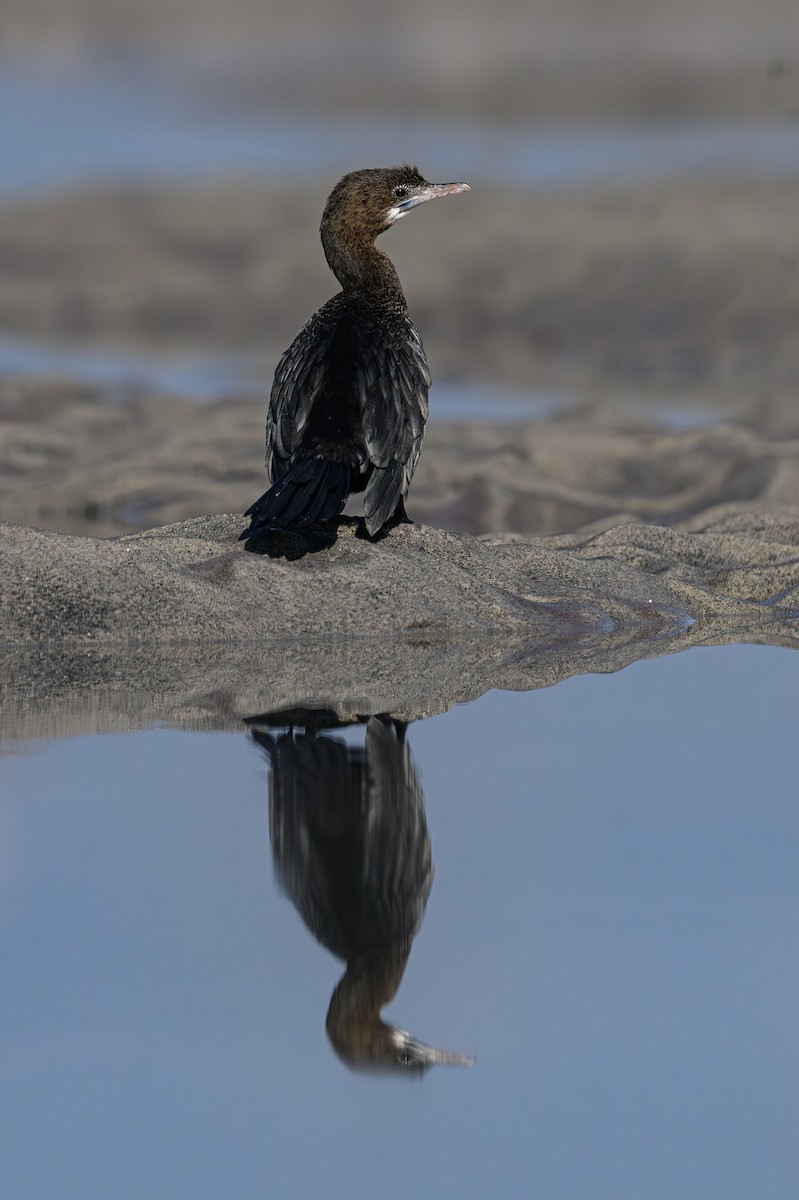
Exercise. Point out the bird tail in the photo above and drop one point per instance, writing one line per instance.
(314, 489)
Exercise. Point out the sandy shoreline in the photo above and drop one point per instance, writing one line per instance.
(75, 464)
(182, 622)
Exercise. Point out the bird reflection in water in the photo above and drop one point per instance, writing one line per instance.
(351, 849)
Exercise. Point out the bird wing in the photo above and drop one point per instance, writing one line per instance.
(391, 380)
(299, 382)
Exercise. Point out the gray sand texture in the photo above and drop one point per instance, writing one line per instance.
(182, 623)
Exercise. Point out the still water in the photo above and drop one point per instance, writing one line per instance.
(604, 879)
(128, 120)
(124, 375)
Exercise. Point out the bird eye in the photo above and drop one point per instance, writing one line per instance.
(400, 192)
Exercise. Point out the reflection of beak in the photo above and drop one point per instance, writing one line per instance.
(431, 192)
(413, 1053)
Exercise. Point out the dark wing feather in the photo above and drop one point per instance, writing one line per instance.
(391, 381)
(299, 382)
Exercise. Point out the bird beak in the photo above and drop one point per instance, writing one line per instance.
(431, 192)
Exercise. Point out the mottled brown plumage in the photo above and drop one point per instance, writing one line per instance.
(349, 398)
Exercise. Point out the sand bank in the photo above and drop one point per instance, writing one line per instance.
(181, 623)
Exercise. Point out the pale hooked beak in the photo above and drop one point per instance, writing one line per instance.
(431, 192)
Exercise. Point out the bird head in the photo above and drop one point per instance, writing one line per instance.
(373, 199)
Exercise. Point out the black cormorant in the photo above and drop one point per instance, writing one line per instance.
(349, 399)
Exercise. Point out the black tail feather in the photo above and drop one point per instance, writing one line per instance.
(314, 489)
(384, 493)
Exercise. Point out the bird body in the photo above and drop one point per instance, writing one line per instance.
(349, 400)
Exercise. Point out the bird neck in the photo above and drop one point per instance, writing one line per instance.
(361, 269)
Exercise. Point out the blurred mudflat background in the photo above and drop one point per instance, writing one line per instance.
(610, 316)
(611, 320)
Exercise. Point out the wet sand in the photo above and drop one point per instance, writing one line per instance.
(181, 623)
(73, 463)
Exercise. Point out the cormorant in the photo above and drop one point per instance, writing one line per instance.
(349, 399)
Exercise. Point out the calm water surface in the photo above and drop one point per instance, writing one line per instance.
(123, 376)
(129, 120)
(612, 931)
